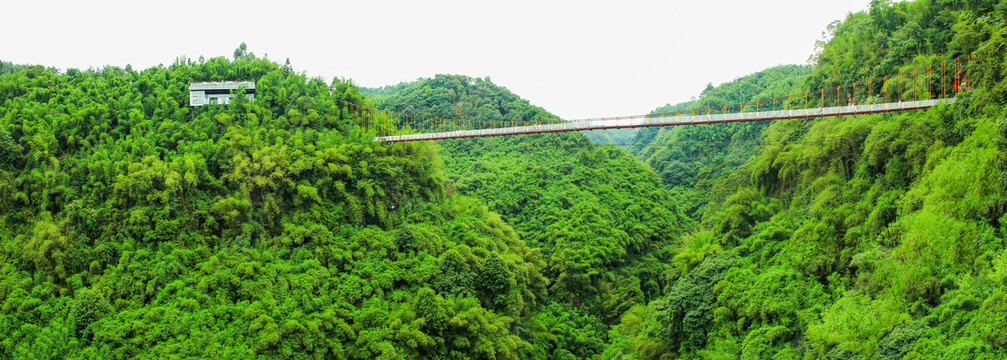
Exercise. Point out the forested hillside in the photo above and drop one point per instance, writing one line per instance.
(136, 226)
(605, 226)
(691, 159)
(858, 237)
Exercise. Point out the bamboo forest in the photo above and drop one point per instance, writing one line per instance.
(134, 224)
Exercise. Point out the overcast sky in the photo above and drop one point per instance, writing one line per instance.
(576, 59)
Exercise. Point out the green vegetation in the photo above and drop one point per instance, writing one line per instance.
(866, 237)
(602, 221)
(612, 136)
(692, 159)
(134, 226)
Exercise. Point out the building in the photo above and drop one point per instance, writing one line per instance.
(218, 92)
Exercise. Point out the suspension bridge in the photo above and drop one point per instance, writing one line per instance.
(913, 89)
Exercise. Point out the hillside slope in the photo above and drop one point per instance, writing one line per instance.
(860, 237)
(136, 226)
(602, 220)
(691, 159)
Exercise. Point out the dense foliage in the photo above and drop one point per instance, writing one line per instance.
(691, 159)
(603, 222)
(859, 237)
(136, 226)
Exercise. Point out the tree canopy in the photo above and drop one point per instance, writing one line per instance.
(135, 226)
(857, 237)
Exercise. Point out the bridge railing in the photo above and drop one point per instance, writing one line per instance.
(942, 80)
(666, 120)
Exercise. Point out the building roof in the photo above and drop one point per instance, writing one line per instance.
(221, 85)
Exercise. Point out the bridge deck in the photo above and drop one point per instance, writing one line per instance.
(602, 124)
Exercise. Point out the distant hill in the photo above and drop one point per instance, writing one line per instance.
(856, 237)
(135, 226)
(601, 219)
(691, 159)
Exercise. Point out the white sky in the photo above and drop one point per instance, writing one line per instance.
(577, 59)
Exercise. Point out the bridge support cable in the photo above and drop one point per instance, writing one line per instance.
(672, 120)
(909, 89)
